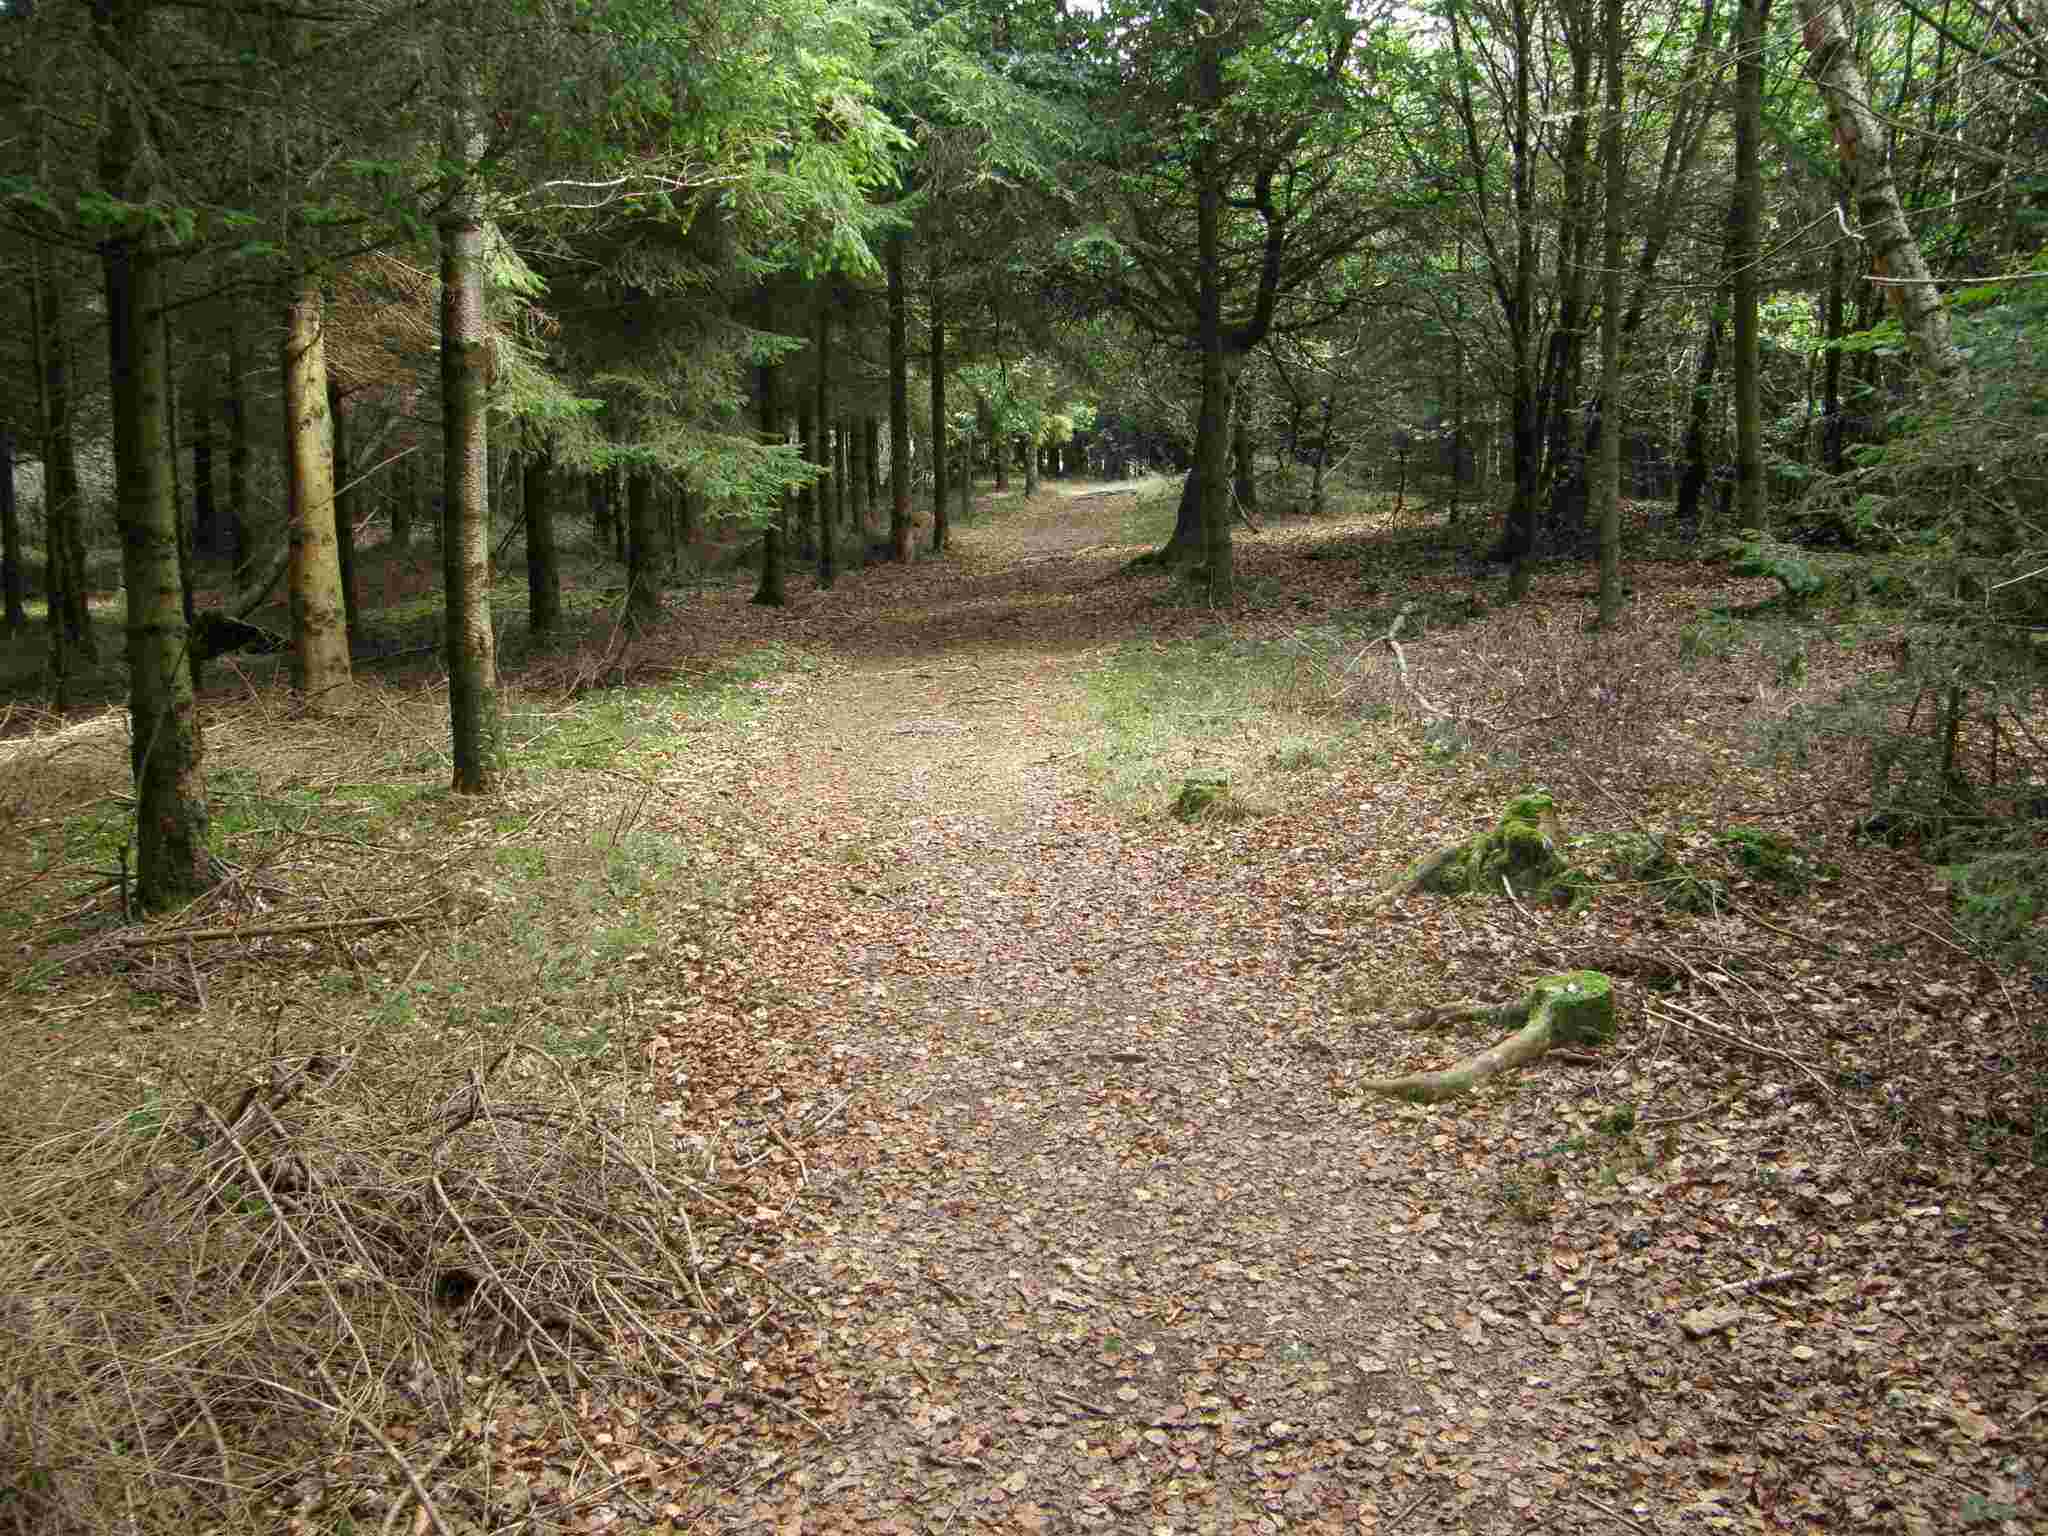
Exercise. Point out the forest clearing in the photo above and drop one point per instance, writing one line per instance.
(827, 1088)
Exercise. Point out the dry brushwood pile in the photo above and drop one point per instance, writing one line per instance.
(830, 1089)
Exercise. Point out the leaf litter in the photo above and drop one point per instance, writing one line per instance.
(1043, 1118)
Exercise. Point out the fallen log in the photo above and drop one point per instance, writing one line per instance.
(1573, 1008)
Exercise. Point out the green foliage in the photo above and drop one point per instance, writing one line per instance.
(1755, 553)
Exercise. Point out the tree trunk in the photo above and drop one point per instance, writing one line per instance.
(808, 497)
(1895, 254)
(842, 475)
(871, 463)
(1244, 481)
(543, 568)
(166, 744)
(320, 654)
(1831, 436)
(13, 579)
(207, 532)
(1692, 483)
(405, 501)
(1030, 453)
(240, 537)
(941, 451)
(64, 537)
(821, 451)
(999, 450)
(899, 403)
(1616, 166)
(465, 522)
(1745, 217)
(643, 550)
(773, 590)
(346, 504)
(858, 473)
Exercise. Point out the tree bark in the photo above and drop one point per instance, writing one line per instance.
(1692, 484)
(207, 532)
(543, 567)
(941, 450)
(828, 534)
(1030, 469)
(346, 503)
(320, 653)
(13, 579)
(471, 643)
(240, 537)
(643, 550)
(899, 402)
(1743, 223)
(1244, 481)
(809, 507)
(166, 745)
(773, 590)
(1895, 254)
(1609, 480)
(70, 613)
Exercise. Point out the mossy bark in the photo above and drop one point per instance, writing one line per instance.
(1518, 856)
(1573, 1008)
(466, 533)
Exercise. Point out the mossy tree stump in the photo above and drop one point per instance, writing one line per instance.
(1518, 855)
(1572, 1008)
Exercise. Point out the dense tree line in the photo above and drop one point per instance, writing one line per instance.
(296, 270)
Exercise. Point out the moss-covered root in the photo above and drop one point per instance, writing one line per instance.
(1575, 1008)
(1518, 853)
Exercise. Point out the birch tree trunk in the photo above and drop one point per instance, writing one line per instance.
(320, 659)
(1895, 255)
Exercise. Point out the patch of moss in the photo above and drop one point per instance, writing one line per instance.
(1522, 848)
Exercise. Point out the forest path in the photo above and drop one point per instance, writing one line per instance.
(1102, 1251)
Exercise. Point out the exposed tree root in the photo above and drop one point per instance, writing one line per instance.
(1575, 1008)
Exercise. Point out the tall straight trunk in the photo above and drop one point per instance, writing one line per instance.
(1609, 478)
(773, 590)
(1318, 488)
(543, 567)
(171, 862)
(1831, 451)
(1565, 463)
(871, 463)
(1895, 255)
(472, 654)
(240, 537)
(899, 401)
(346, 503)
(643, 549)
(405, 501)
(1244, 482)
(1746, 216)
(41, 337)
(828, 533)
(1692, 483)
(188, 577)
(999, 449)
(320, 656)
(599, 488)
(1030, 456)
(807, 496)
(63, 506)
(1519, 545)
(941, 462)
(858, 471)
(690, 507)
(964, 486)
(13, 579)
(842, 472)
(207, 533)
(1212, 425)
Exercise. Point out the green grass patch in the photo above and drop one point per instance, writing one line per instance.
(1214, 709)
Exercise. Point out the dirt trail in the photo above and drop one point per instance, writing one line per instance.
(1109, 1255)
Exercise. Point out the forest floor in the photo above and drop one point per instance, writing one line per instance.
(1050, 1098)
